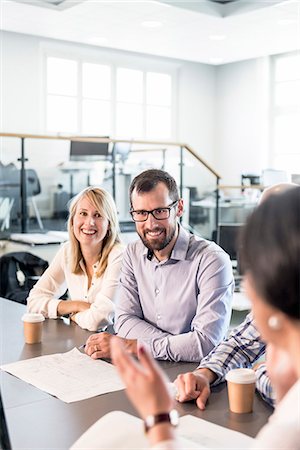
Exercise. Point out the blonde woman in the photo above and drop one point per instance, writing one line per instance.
(88, 265)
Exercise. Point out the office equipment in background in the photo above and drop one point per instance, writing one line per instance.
(4, 436)
(10, 182)
(88, 151)
(227, 238)
(51, 237)
(295, 178)
(121, 150)
(273, 176)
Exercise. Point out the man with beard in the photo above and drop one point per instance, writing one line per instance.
(175, 289)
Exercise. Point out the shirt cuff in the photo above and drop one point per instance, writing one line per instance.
(219, 373)
(170, 444)
(52, 308)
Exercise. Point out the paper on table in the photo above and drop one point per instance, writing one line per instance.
(127, 434)
(193, 433)
(211, 435)
(70, 376)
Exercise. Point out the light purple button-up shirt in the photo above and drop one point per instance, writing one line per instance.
(178, 308)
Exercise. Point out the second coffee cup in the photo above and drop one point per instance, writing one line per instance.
(33, 324)
(241, 387)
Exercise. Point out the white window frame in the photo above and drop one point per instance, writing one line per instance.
(277, 111)
(80, 58)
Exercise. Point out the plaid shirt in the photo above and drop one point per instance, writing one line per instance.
(242, 348)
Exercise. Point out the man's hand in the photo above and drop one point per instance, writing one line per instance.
(195, 386)
(72, 307)
(98, 345)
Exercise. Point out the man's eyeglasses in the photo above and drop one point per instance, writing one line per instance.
(158, 213)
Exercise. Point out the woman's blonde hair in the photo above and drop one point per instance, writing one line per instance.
(105, 205)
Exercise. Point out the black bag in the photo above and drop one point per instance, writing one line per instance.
(19, 271)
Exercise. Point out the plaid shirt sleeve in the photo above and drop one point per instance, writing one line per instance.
(242, 348)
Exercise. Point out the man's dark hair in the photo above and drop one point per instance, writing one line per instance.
(149, 179)
(270, 246)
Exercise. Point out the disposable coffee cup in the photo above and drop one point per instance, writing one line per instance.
(33, 324)
(241, 387)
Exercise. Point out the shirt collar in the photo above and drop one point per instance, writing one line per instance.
(180, 248)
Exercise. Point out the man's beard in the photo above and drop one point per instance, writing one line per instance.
(159, 244)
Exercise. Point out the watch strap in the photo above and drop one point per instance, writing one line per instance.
(171, 417)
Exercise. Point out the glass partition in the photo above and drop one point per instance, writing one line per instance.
(200, 197)
(52, 178)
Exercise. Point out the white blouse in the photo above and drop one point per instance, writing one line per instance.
(44, 297)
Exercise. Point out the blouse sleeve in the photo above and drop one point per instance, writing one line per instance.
(44, 297)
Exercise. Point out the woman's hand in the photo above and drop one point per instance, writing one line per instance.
(71, 307)
(145, 382)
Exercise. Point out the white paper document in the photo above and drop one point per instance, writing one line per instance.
(127, 434)
(70, 376)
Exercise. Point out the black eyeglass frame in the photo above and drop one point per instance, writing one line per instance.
(168, 208)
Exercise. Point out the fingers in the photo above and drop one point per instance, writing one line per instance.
(202, 399)
(187, 388)
(121, 358)
(92, 337)
(98, 345)
(148, 362)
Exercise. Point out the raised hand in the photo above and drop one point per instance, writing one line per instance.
(146, 383)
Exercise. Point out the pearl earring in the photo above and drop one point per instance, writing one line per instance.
(274, 323)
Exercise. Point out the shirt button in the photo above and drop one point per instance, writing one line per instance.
(95, 267)
(156, 291)
(158, 316)
(85, 296)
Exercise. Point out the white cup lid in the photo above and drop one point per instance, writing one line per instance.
(241, 376)
(33, 317)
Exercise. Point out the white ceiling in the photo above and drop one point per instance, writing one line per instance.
(208, 31)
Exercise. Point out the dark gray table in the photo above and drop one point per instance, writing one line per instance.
(36, 420)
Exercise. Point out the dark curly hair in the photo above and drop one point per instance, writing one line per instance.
(270, 251)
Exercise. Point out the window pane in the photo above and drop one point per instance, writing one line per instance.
(287, 68)
(61, 114)
(96, 117)
(129, 120)
(61, 76)
(158, 89)
(129, 85)
(287, 134)
(287, 93)
(289, 163)
(158, 122)
(95, 81)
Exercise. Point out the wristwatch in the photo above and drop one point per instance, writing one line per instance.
(172, 417)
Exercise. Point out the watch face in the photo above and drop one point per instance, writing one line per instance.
(174, 417)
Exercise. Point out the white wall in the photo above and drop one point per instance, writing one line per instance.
(242, 111)
(22, 108)
(222, 112)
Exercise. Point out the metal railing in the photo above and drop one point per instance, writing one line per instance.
(193, 173)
